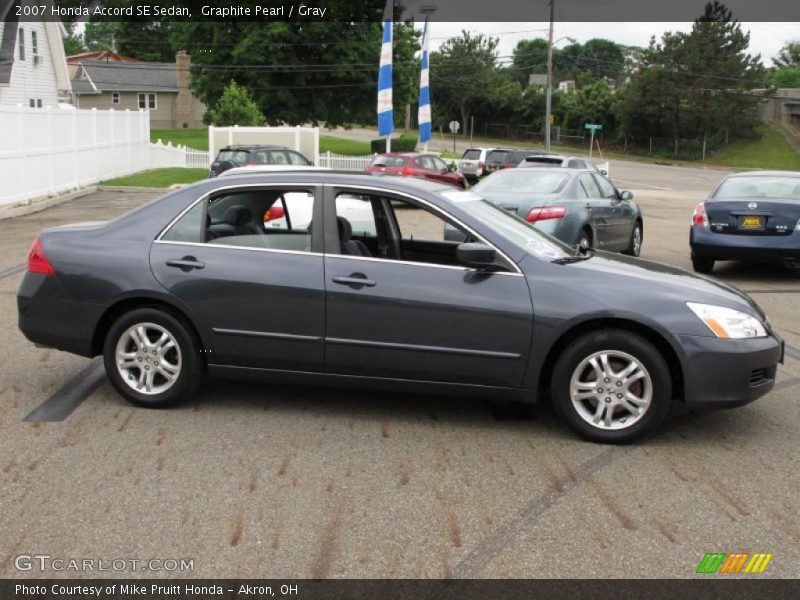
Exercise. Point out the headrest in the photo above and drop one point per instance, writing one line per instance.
(238, 215)
(345, 229)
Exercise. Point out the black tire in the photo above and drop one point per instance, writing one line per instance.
(189, 373)
(702, 265)
(633, 345)
(584, 239)
(635, 245)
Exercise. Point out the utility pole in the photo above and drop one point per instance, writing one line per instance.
(549, 104)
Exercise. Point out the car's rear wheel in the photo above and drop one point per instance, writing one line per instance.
(612, 386)
(635, 244)
(584, 240)
(702, 265)
(151, 358)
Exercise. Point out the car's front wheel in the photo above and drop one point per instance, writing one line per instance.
(612, 386)
(151, 358)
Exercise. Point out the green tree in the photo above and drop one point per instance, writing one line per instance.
(465, 80)
(695, 83)
(235, 107)
(73, 43)
(303, 72)
(529, 57)
(789, 56)
(788, 77)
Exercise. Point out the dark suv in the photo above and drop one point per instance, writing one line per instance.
(543, 159)
(239, 156)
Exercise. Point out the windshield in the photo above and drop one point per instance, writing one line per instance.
(516, 230)
(472, 154)
(524, 181)
(760, 187)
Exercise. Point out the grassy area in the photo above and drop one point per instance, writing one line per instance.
(194, 138)
(159, 178)
(198, 139)
(771, 151)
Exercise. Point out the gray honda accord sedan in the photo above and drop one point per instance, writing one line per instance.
(332, 278)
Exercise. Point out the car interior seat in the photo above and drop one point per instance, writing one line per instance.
(349, 246)
(241, 220)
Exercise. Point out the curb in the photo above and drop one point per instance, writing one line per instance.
(39, 204)
(129, 188)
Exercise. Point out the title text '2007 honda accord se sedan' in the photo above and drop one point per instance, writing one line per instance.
(361, 289)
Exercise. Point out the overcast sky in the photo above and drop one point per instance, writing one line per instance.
(765, 38)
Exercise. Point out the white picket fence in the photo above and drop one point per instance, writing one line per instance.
(341, 162)
(44, 152)
(166, 155)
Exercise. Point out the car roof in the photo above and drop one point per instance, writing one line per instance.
(313, 176)
(766, 174)
(409, 154)
(254, 147)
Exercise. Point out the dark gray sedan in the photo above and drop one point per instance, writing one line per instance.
(350, 287)
(580, 207)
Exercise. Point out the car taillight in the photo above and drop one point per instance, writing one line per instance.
(273, 213)
(37, 260)
(699, 216)
(480, 165)
(407, 171)
(542, 213)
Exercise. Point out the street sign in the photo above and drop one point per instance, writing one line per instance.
(454, 126)
(593, 126)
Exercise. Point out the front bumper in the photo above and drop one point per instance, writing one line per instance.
(722, 373)
(758, 248)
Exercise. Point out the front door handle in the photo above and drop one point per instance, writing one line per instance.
(355, 280)
(588, 206)
(187, 263)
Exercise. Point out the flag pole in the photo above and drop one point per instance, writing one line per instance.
(424, 113)
(385, 109)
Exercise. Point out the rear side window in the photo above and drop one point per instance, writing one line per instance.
(472, 154)
(297, 159)
(189, 228)
(496, 156)
(240, 157)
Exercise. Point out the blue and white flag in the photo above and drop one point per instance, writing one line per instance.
(424, 114)
(385, 113)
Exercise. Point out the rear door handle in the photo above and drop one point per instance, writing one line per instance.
(354, 281)
(186, 263)
(588, 206)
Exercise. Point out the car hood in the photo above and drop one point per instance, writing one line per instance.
(633, 284)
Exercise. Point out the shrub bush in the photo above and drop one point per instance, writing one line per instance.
(404, 143)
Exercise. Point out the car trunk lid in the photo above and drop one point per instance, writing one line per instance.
(757, 216)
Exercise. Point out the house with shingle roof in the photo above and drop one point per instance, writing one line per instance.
(160, 87)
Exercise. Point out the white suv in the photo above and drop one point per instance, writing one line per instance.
(472, 164)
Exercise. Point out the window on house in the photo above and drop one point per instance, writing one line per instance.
(32, 103)
(21, 43)
(34, 43)
(115, 98)
(147, 101)
(38, 103)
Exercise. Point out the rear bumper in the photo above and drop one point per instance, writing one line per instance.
(726, 246)
(47, 317)
(720, 373)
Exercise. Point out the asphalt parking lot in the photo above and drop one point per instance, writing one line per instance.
(261, 480)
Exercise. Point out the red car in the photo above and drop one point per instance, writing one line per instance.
(428, 166)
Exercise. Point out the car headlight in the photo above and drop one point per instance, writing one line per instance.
(728, 323)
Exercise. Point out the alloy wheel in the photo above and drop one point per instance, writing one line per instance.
(611, 390)
(148, 358)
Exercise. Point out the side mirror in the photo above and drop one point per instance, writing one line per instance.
(603, 172)
(476, 256)
(626, 196)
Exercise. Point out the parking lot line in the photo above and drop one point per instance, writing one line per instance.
(768, 291)
(61, 404)
(791, 351)
(12, 271)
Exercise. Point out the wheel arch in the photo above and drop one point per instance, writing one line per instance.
(129, 303)
(651, 334)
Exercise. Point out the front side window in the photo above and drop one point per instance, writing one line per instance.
(272, 219)
(606, 189)
(297, 159)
